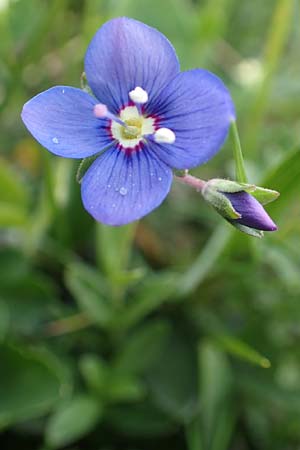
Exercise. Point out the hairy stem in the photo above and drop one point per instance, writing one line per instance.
(192, 181)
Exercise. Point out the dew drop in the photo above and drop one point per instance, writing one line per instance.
(113, 205)
(63, 91)
(159, 178)
(55, 140)
(151, 174)
(123, 191)
(109, 186)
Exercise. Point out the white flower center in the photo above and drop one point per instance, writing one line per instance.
(137, 127)
(131, 126)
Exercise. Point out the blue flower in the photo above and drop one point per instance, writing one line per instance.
(147, 115)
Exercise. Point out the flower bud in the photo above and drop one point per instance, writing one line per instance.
(236, 202)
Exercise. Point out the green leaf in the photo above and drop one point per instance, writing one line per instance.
(149, 295)
(238, 348)
(4, 319)
(132, 357)
(215, 385)
(204, 263)
(89, 290)
(30, 384)
(73, 421)
(285, 178)
(121, 387)
(113, 248)
(140, 420)
(95, 372)
(108, 382)
(240, 169)
(31, 300)
(173, 379)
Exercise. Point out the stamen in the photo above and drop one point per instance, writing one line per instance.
(138, 95)
(164, 136)
(101, 112)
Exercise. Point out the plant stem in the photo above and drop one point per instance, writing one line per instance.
(67, 325)
(240, 170)
(192, 181)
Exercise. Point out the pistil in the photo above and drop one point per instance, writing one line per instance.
(101, 112)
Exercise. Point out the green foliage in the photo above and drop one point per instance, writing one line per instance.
(29, 384)
(72, 421)
(177, 332)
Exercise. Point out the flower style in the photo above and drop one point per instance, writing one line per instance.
(145, 118)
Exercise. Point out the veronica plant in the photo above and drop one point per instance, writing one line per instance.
(144, 119)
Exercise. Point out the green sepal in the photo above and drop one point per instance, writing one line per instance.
(83, 167)
(180, 172)
(84, 84)
(250, 231)
(223, 185)
(222, 204)
(264, 195)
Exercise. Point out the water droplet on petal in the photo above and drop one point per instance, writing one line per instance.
(63, 91)
(109, 186)
(123, 191)
(159, 178)
(151, 174)
(113, 205)
(55, 140)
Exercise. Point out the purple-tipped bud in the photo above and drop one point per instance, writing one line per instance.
(241, 204)
(252, 213)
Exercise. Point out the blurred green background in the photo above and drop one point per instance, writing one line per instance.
(177, 332)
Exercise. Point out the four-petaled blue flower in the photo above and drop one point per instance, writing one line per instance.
(147, 115)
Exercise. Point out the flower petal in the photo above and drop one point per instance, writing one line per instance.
(252, 213)
(198, 108)
(125, 54)
(119, 188)
(62, 120)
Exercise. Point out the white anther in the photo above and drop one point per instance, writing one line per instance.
(138, 95)
(100, 110)
(164, 136)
